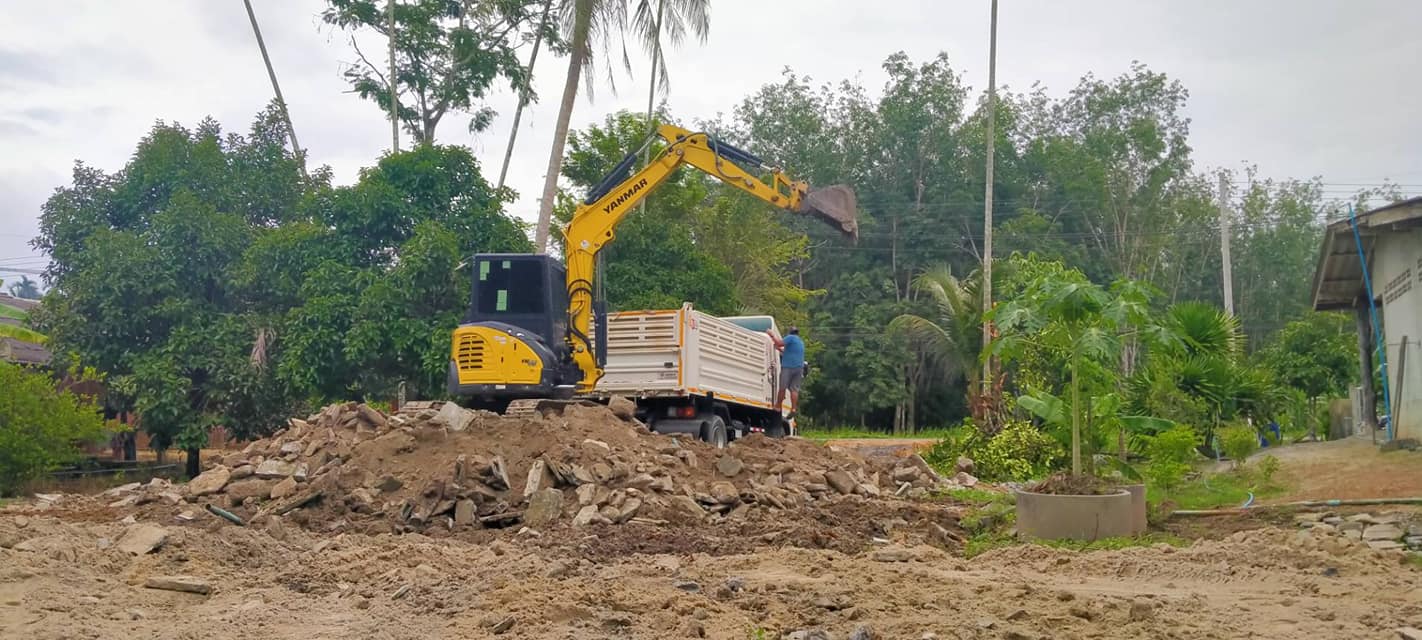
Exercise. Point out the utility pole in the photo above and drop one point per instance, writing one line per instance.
(1224, 247)
(394, 95)
(276, 88)
(987, 199)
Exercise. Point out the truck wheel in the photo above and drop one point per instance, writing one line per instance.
(779, 429)
(713, 432)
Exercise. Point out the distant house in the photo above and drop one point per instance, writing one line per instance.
(19, 351)
(1389, 241)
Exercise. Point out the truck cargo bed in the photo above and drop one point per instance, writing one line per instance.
(687, 352)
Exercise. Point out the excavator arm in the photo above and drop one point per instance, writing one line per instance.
(594, 223)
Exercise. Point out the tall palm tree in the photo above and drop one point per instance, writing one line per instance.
(526, 91)
(951, 339)
(590, 23)
(25, 288)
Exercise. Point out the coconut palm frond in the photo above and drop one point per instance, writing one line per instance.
(942, 348)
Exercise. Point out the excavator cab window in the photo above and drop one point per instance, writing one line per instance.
(510, 286)
(521, 290)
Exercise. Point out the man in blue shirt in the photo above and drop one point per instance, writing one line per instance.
(792, 367)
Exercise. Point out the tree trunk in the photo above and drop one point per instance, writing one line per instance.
(1075, 421)
(162, 455)
(523, 95)
(560, 137)
(194, 463)
(1365, 369)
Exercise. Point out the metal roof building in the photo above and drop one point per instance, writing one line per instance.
(1388, 241)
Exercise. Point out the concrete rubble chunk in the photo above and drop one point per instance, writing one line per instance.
(185, 584)
(210, 481)
(369, 414)
(863, 632)
(730, 466)
(965, 479)
(543, 508)
(965, 465)
(587, 516)
(388, 484)
(905, 474)
(293, 447)
(242, 472)
(274, 469)
(891, 554)
(867, 489)
(688, 507)
(1382, 532)
(283, 489)
(252, 488)
(725, 493)
(840, 481)
(1409, 633)
(455, 417)
(538, 478)
(587, 494)
(628, 510)
(622, 407)
(140, 539)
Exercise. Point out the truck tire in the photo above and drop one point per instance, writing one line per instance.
(713, 432)
(778, 429)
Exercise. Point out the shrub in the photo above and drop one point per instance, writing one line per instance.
(1170, 454)
(39, 425)
(1268, 466)
(1018, 452)
(1238, 441)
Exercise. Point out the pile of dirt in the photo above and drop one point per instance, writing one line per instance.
(436, 468)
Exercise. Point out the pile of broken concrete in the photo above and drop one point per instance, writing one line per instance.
(1390, 531)
(438, 467)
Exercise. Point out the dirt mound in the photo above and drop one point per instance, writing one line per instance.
(437, 469)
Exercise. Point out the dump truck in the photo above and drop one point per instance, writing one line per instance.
(695, 374)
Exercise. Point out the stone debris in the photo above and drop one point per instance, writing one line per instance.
(142, 539)
(185, 584)
(1389, 531)
(210, 481)
(433, 466)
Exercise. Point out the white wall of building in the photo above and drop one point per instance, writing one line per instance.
(1396, 273)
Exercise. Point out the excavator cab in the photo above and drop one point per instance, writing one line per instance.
(511, 343)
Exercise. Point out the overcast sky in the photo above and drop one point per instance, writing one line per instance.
(1300, 88)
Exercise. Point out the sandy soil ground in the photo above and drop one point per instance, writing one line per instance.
(1352, 468)
(859, 566)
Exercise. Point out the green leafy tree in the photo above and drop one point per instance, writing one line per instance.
(448, 55)
(40, 425)
(950, 338)
(1078, 320)
(1316, 355)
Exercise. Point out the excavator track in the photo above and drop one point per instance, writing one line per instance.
(530, 407)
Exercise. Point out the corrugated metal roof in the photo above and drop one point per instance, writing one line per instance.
(21, 352)
(18, 303)
(1338, 280)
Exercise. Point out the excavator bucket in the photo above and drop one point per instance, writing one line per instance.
(835, 206)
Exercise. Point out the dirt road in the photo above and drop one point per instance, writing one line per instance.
(770, 539)
(1351, 468)
(283, 583)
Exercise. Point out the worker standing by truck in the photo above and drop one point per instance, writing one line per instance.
(792, 367)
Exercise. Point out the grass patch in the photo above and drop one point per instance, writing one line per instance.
(984, 542)
(7, 311)
(1225, 490)
(978, 497)
(1414, 560)
(846, 433)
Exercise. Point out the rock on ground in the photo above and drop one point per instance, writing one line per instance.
(210, 481)
(140, 539)
(186, 584)
(544, 508)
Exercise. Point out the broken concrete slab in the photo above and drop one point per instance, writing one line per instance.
(140, 539)
(184, 584)
(210, 481)
(544, 508)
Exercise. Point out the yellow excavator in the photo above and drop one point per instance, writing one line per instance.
(526, 337)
